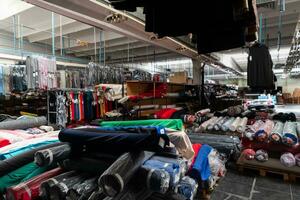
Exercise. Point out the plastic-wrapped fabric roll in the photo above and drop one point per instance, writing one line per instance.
(211, 126)
(21, 174)
(47, 185)
(288, 160)
(218, 126)
(277, 132)
(257, 126)
(261, 155)
(31, 188)
(52, 155)
(89, 165)
(24, 123)
(94, 141)
(156, 180)
(177, 161)
(297, 158)
(226, 125)
(298, 129)
(15, 162)
(264, 132)
(187, 187)
(289, 132)
(235, 124)
(249, 133)
(248, 154)
(204, 125)
(60, 190)
(113, 180)
(82, 191)
(242, 125)
(202, 112)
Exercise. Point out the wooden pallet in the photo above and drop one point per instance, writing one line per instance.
(272, 166)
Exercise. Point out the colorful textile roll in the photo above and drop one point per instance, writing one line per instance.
(226, 125)
(90, 139)
(30, 189)
(288, 160)
(248, 154)
(242, 125)
(115, 178)
(261, 155)
(52, 155)
(264, 132)
(235, 124)
(290, 137)
(218, 125)
(277, 132)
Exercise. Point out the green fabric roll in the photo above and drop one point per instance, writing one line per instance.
(175, 124)
(20, 175)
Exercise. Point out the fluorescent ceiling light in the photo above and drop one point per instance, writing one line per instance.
(9, 8)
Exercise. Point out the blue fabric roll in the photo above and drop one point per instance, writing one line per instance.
(135, 129)
(187, 187)
(201, 169)
(97, 141)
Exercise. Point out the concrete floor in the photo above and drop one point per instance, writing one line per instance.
(252, 187)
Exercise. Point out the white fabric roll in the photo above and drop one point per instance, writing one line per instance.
(235, 124)
(227, 124)
(204, 125)
(211, 126)
(242, 125)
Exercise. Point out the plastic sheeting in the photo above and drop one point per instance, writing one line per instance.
(48, 156)
(115, 178)
(277, 132)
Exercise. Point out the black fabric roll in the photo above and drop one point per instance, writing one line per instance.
(120, 129)
(89, 165)
(60, 190)
(52, 155)
(82, 191)
(93, 141)
(115, 178)
(22, 159)
(45, 188)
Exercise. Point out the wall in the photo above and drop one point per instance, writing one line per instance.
(288, 84)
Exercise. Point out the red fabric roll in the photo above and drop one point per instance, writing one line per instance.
(248, 154)
(196, 148)
(165, 113)
(4, 142)
(30, 189)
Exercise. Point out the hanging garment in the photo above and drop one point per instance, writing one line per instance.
(61, 112)
(30, 189)
(201, 170)
(259, 69)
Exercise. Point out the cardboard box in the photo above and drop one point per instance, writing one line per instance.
(178, 77)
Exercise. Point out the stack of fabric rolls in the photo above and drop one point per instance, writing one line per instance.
(112, 161)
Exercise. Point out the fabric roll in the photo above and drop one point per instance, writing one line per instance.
(21, 174)
(264, 132)
(235, 124)
(288, 160)
(109, 141)
(290, 137)
(218, 126)
(30, 189)
(202, 112)
(24, 123)
(172, 168)
(297, 158)
(249, 133)
(277, 132)
(176, 161)
(15, 162)
(257, 126)
(156, 180)
(248, 154)
(205, 124)
(113, 180)
(82, 191)
(187, 187)
(211, 126)
(47, 185)
(261, 155)
(167, 123)
(242, 125)
(201, 170)
(227, 124)
(196, 148)
(52, 155)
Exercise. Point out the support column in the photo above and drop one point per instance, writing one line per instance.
(198, 77)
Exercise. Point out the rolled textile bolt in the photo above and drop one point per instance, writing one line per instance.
(298, 129)
(290, 137)
(24, 123)
(297, 158)
(156, 180)
(249, 133)
(261, 155)
(242, 126)
(245, 113)
(204, 125)
(277, 132)
(225, 126)
(264, 132)
(218, 125)
(114, 179)
(288, 160)
(202, 112)
(211, 126)
(52, 155)
(234, 124)
(248, 154)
